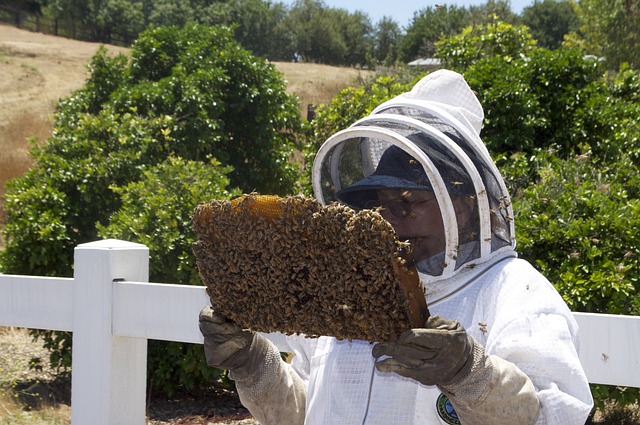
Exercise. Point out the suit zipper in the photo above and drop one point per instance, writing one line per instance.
(366, 412)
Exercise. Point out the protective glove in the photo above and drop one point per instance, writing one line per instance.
(440, 354)
(226, 345)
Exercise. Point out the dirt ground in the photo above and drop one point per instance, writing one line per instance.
(50, 68)
(44, 390)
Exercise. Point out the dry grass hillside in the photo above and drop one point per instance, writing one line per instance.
(37, 70)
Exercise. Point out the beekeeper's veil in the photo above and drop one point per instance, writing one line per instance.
(426, 139)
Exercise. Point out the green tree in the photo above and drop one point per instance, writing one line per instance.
(156, 211)
(33, 6)
(316, 32)
(549, 21)
(494, 39)
(574, 221)
(283, 40)
(574, 224)
(259, 27)
(427, 27)
(357, 33)
(533, 97)
(187, 96)
(224, 102)
(611, 29)
(109, 21)
(117, 20)
(212, 13)
(170, 12)
(330, 35)
(550, 99)
(72, 10)
(387, 36)
(492, 10)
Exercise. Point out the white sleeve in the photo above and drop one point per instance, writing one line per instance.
(533, 377)
(495, 392)
(533, 329)
(530, 339)
(542, 346)
(271, 390)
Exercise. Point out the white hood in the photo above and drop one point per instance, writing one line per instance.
(438, 125)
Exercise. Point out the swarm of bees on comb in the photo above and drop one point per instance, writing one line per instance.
(295, 266)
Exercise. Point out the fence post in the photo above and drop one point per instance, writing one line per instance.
(108, 373)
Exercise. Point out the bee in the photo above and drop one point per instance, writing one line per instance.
(483, 327)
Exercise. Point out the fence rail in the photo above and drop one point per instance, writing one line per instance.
(113, 310)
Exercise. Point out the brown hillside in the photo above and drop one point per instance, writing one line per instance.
(37, 70)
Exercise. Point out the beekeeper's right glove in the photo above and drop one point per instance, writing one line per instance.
(227, 346)
(271, 390)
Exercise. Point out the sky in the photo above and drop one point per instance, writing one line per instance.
(402, 11)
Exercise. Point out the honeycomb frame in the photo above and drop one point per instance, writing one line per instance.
(294, 266)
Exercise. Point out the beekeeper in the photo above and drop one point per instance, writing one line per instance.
(501, 344)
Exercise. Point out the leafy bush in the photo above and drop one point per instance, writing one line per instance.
(550, 99)
(495, 39)
(136, 148)
(576, 222)
(156, 211)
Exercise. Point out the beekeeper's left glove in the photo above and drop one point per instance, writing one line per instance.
(227, 345)
(439, 354)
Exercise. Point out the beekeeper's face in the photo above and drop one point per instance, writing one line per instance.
(415, 216)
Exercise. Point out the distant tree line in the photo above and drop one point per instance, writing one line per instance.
(311, 31)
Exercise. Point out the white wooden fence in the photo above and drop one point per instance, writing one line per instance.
(113, 310)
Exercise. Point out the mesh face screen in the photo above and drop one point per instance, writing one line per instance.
(294, 266)
(437, 127)
(498, 200)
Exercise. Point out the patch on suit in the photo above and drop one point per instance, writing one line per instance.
(446, 411)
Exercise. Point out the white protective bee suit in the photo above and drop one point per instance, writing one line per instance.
(526, 368)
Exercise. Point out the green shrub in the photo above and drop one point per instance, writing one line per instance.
(577, 223)
(495, 39)
(550, 99)
(157, 212)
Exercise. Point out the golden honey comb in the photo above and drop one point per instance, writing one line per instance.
(267, 206)
(294, 266)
